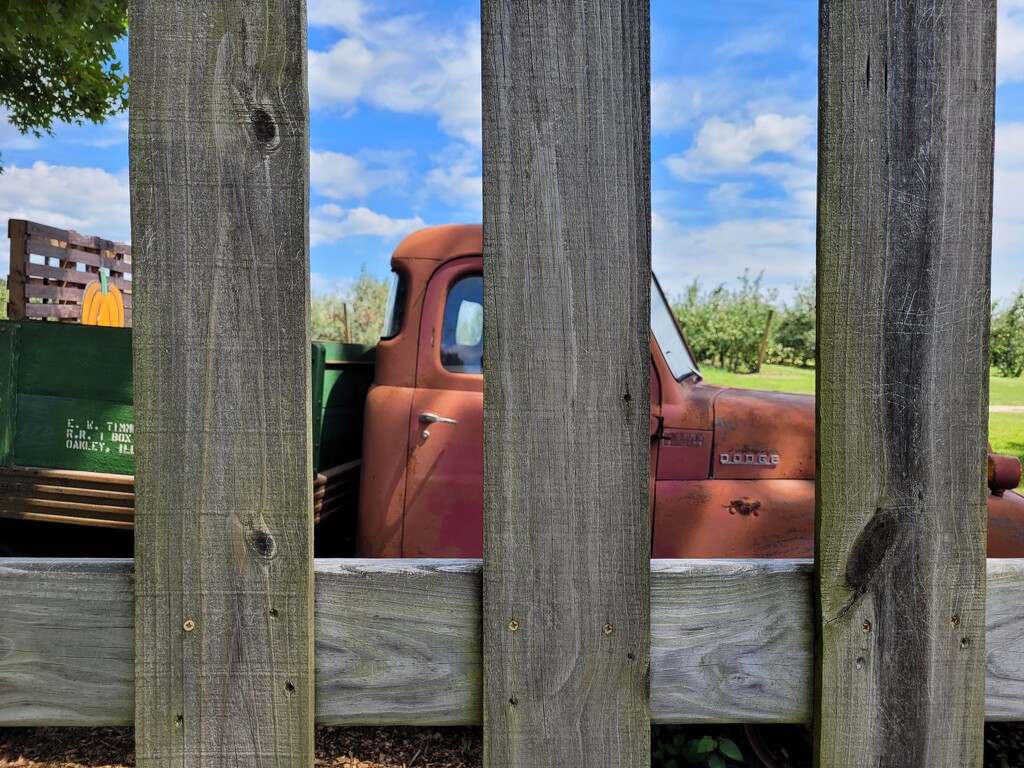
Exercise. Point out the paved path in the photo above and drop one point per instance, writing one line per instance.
(1006, 409)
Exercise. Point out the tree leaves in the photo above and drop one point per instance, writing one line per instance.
(57, 62)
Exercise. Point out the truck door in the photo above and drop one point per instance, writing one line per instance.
(444, 485)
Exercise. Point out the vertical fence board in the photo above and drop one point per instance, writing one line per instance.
(904, 233)
(16, 274)
(219, 153)
(566, 292)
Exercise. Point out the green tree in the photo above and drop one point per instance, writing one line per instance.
(795, 334)
(724, 326)
(1007, 337)
(366, 300)
(57, 61)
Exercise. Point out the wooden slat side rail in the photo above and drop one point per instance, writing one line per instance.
(398, 642)
(70, 255)
(906, 101)
(32, 292)
(70, 276)
(63, 293)
(219, 156)
(108, 500)
(16, 277)
(566, 241)
(69, 236)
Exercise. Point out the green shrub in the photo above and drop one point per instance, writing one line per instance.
(794, 337)
(724, 326)
(1007, 338)
(677, 746)
(365, 300)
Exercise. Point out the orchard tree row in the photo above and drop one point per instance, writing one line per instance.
(725, 327)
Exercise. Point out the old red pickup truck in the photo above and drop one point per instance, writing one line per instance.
(732, 470)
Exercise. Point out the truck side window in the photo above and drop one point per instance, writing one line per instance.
(395, 307)
(462, 330)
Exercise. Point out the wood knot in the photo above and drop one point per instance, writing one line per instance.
(264, 128)
(261, 543)
(870, 548)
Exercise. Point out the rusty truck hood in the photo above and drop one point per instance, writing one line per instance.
(763, 435)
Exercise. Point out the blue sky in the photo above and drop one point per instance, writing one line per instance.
(395, 140)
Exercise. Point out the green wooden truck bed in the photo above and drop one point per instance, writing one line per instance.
(67, 432)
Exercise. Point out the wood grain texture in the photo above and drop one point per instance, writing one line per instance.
(67, 642)
(906, 104)
(566, 146)
(16, 276)
(218, 143)
(398, 642)
(731, 641)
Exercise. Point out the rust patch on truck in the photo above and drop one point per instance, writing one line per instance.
(744, 506)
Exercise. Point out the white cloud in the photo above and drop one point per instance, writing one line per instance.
(457, 178)
(1010, 42)
(402, 64)
(729, 147)
(330, 223)
(782, 248)
(760, 39)
(341, 177)
(1007, 214)
(321, 285)
(678, 102)
(335, 14)
(88, 200)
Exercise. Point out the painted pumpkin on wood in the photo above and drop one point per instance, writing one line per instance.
(102, 303)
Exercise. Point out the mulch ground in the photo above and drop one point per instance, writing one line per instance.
(346, 747)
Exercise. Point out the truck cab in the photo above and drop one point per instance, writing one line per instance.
(732, 470)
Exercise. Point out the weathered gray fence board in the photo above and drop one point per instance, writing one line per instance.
(904, 232)
(67, 642)
(219, 153)
(566, 174)
(398, 642)
(731, 641)
(1004, 640)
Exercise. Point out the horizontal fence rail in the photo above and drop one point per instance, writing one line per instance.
(398, 642)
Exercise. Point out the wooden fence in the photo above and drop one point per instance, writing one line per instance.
(566, 642)
(51, 267)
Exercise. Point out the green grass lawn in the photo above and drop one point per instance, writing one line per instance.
(776, 378)
(1005, 391)
(1006, 430)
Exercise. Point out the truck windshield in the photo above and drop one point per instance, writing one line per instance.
(667, 334)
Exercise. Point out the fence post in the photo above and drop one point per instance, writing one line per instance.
(224, 601)
(566, 441)
(904, 231)
(16, 278)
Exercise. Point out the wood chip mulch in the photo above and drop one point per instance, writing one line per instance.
(342, 747)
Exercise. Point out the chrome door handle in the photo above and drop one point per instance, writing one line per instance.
(433, 418)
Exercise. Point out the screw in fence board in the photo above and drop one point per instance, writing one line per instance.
(566, 141)
(220, 167)
(904, 231)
